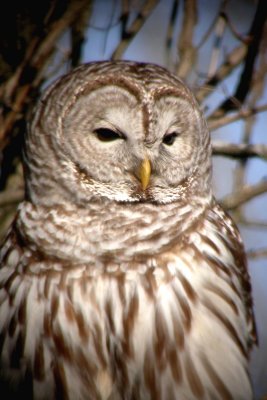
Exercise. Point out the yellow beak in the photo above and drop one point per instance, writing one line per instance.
(145, 172)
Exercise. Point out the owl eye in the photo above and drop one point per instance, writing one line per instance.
(169, 139)
(107, 135)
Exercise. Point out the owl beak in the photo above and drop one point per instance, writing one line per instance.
(144, 173)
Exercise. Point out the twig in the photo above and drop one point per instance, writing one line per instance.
(240, 151)
(240, 219)
(30, 72)
(78, 29)
(253, 48)
(169, 36)
(256, 93)
(47, 45)
(245, 39)
(211, 27)
(234, 58)
(186, 50)
(11, 197)
(215, 123)
(124, 18)
(259, 253)
(129, 34)
(239, 173)
(219, 31)
(248, 192)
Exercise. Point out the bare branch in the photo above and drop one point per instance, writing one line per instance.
(169, 38)
(240, 219)
(128, 35)
(11, 197)
(210, 28)
(29, 74)
(78, 29)
(240, 151)
(245, 39)
(186, 50)
(219, 31)
(215, 123)
(247, 193)
(68, 19)
(244, 83)
(234, 58)
(222, 14)
(259, 253)
(256, 92)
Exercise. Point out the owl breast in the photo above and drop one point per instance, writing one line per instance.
(122, 328)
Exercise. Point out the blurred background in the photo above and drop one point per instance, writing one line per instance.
(218, 47)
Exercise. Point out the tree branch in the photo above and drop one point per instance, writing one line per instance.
(186, 50)
(234, 58)
(28, 76)
(128, 35)
(219, 31)
(215, 123)
(247, 193)
(169, 36)
(253, 48)
(259, 253)
(240, 151)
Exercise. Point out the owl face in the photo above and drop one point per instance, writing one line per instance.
(131, 133)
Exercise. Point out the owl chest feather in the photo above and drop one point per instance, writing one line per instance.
(151, 322)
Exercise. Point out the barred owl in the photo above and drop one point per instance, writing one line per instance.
(121, 277)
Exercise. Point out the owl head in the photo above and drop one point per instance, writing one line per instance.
(117, 131)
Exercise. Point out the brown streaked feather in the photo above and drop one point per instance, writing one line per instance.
(219, 386)
(193, 378)
(113, 292)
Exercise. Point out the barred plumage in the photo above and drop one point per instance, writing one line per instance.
(113, 289)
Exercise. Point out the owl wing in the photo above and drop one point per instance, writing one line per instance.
(13, 289)
(230, 236)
